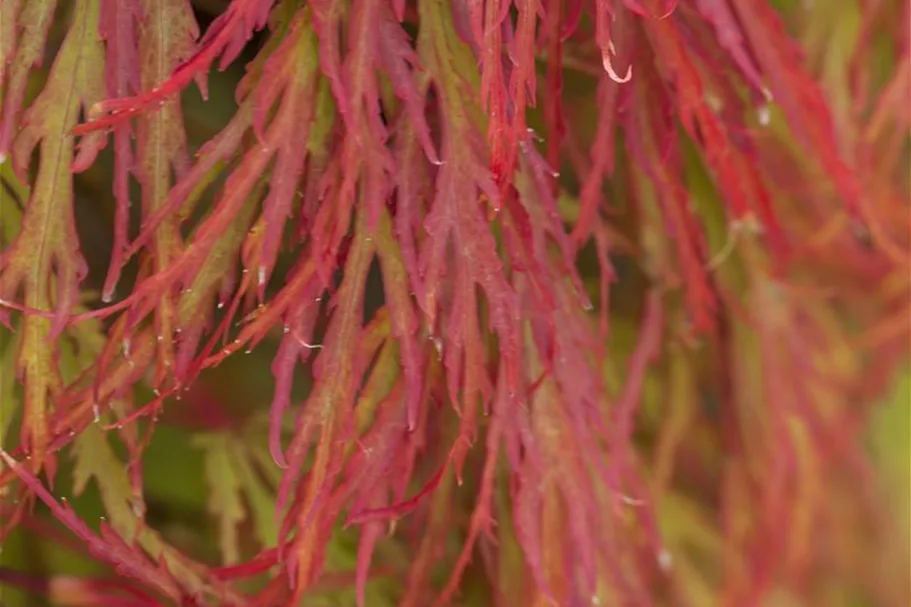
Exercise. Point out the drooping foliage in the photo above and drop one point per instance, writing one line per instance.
(454, 301)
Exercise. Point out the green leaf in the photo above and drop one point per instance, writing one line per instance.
(95, 459)
(225, 490)
(45, 260)
(35, 20)
(260, 496)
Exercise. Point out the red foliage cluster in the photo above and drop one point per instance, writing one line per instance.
(355, 143)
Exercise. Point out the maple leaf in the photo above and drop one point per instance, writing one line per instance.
(225, 492)
(20, 54)
(44, 260)
(619, 346)
(331, 398)
(107, 545)
(96, 460)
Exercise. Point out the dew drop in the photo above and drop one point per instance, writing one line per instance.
(609, 67)
(631, 501)
(438, 345)
(665, 559)
(307, 345)
(764, 115)
(96, 410)
(220, 305)
(261, 275)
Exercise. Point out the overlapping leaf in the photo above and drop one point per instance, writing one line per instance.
(639, 381)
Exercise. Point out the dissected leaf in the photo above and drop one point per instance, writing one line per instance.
(566, 302)
(45, 260)
(224, 492)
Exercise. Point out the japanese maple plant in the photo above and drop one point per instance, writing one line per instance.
(453, 302)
